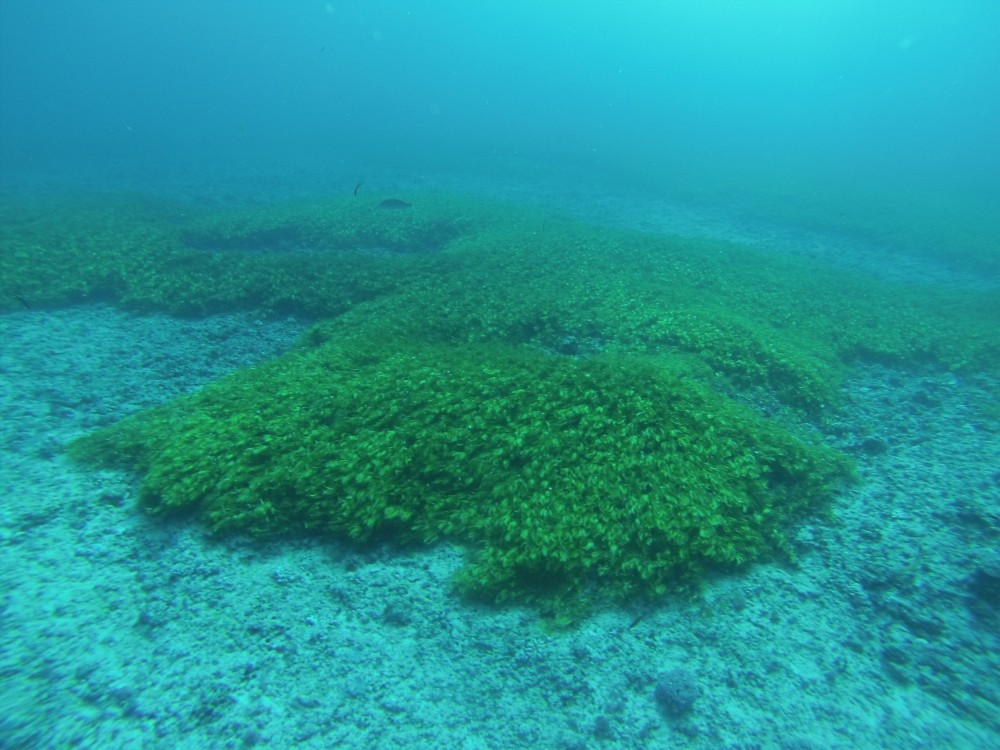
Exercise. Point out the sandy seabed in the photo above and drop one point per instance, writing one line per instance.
(122, 631)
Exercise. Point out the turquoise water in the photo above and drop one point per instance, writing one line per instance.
(866, 136)
(808, 110)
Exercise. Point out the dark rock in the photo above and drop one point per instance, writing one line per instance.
(602, 728)
(896, 663)
(109, 497)
(676, 692)
(925, 399)
(874, 446)
(984, 587)
(394, 204)
(396, 615)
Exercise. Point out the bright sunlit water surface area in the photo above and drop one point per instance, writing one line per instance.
(494, 375)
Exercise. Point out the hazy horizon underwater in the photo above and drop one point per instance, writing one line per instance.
(378, 374)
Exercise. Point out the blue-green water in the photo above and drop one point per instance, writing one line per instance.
(863, 136)
(839, 113)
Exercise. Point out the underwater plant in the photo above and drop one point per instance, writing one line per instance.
(594, 413)
(598, 477)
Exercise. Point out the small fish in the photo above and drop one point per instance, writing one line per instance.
(23, 301)
(636, 620)
(358, 186)
(394, 203)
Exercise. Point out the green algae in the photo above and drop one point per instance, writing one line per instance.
(569, 402)
(560, 472)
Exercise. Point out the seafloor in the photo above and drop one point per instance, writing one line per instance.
(122, 631)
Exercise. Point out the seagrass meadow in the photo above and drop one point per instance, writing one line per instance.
(596, 414)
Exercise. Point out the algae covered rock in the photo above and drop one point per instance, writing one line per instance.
(570, 402)
(601, 477)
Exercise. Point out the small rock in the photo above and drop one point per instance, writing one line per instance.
(108, 497)
(676, 692)
(602, 728)
(874, 446)
(984, 586)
